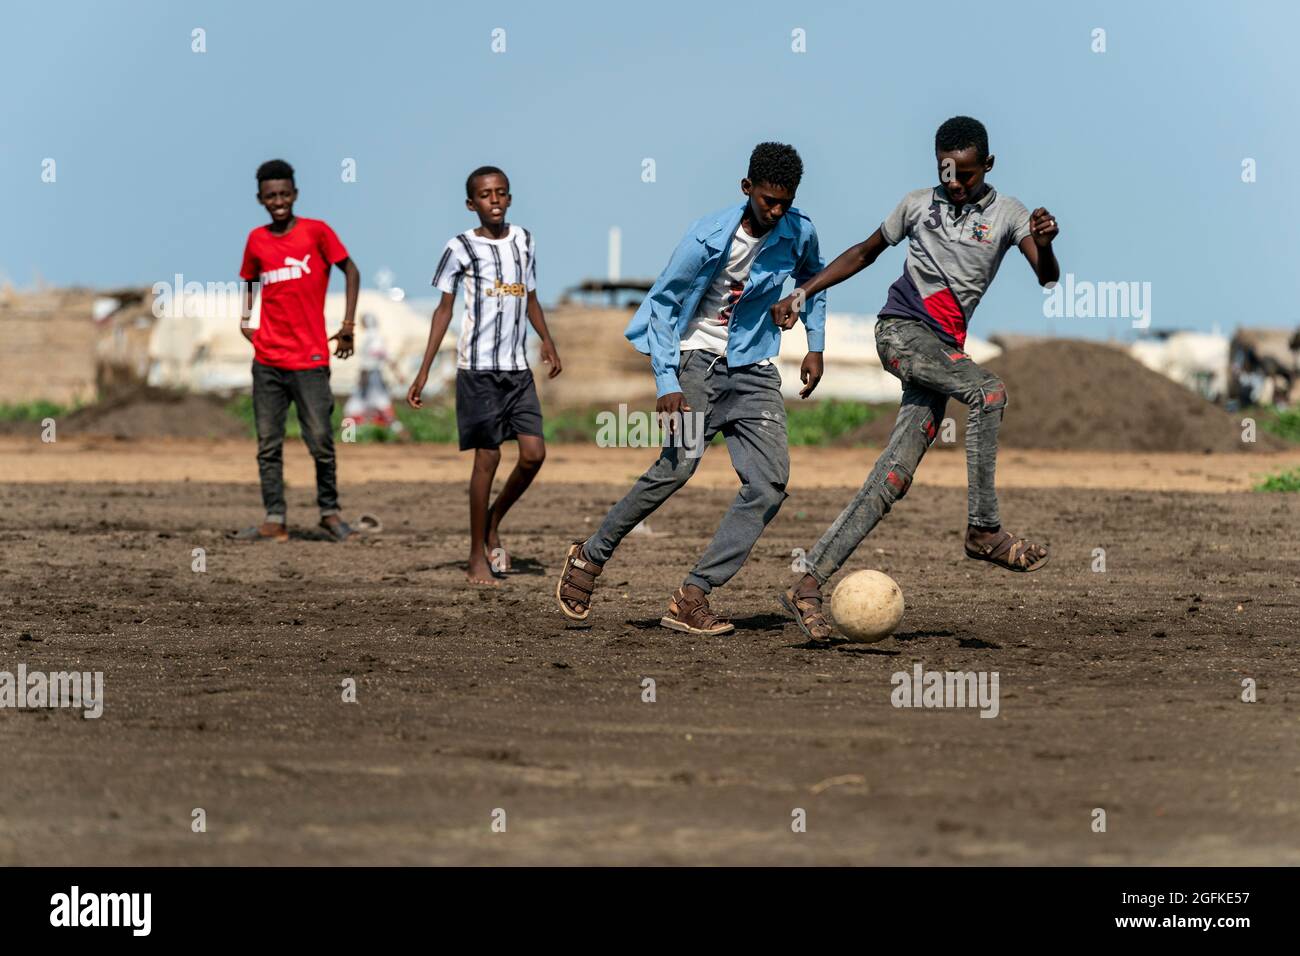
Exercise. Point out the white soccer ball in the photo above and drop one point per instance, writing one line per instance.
(867, 606)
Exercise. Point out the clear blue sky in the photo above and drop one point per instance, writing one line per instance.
(1137, 150)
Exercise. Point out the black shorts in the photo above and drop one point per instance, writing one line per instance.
(492, 407)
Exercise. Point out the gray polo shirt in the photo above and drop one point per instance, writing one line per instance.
(952, 255)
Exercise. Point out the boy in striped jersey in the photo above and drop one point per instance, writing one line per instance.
(496, 399)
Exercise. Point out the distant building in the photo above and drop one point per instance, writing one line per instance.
(52, 345)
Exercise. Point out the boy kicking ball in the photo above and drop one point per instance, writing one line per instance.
(496, 399)
(705, 327)
(957, 234)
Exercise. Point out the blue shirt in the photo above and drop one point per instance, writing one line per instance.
(789, 250)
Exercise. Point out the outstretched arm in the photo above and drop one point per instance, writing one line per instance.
(848, 263)
(1037, 246)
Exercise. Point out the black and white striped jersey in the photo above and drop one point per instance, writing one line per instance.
(498, 274)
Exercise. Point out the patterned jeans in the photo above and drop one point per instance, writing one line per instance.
(931, 373)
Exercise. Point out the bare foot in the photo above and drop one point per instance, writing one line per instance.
(480, 573)
(498, 557)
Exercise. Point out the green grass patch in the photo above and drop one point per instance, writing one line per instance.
(33, 411)
(819, 423)
(824, 422)
(434, 423)
(577, 425)
(1285, 424)
(1286, 481)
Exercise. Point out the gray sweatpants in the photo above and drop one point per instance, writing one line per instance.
(745, 404)
(931, 373)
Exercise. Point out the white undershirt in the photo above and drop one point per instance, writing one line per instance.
(709, 328)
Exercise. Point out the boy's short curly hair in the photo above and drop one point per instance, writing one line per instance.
(962, 132)
(274, 169)
(484, 171)
(775, 164)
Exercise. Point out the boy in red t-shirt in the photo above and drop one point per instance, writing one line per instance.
(290, 259)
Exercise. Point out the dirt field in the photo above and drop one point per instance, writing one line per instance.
(1119, 690)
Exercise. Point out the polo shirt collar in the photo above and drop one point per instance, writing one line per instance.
(990, 194)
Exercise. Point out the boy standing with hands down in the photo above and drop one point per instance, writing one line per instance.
(290, 258)
(957, 234)
(706, 327)
(496, 399)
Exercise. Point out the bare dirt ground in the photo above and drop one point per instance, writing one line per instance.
(176, 459)
(1119, 689)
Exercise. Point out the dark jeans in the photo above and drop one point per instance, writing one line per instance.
(309, 391)
(931, 373)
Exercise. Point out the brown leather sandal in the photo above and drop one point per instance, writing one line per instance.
(806, 609)
(693, 616)
(577, 582)
(1006, 550)
(266, 531)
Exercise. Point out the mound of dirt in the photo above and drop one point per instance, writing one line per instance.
(1073, 395)
(156, 413)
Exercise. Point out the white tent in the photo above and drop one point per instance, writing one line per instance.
(208, 353)
(1195, 360)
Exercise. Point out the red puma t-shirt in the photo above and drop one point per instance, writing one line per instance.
(294, 270)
